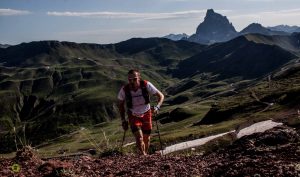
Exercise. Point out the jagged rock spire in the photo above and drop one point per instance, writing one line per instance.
(214, 28)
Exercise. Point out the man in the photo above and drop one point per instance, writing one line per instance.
(136, 95)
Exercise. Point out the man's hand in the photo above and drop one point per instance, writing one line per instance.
(160, 100)
(125, 125)
(155, 110)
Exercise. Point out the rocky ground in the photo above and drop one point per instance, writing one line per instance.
(275, 152)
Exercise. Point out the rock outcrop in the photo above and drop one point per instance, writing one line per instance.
(214, 28)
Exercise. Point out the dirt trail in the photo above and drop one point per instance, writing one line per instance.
(274, 152)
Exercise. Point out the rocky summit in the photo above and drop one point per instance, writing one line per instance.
(217, 28)
(214, 28)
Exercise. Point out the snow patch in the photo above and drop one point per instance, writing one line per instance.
(254, 128)
(257, 127)
(190, 144)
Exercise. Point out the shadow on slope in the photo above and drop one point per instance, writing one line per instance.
(238, 57)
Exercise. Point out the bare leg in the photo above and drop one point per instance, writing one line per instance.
(146, 139)
(139, 141)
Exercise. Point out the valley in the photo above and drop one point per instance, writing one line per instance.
(46, 100)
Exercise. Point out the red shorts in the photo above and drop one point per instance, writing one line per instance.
(143, 122)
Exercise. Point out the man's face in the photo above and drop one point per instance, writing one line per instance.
(134, 79)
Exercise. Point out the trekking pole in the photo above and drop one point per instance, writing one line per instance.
(161, 148)
(124, 134)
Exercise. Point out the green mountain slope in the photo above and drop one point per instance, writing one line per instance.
(52, 88)
(236, 58)
(290, 43)
(276, 97)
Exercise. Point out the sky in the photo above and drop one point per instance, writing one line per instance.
(112, 21)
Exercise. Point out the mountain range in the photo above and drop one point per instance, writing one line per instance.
(285, 28)
(176, 37)
(244, 56)
(217, 28)
(52, 88)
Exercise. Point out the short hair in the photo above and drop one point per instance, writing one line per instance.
(132, 71)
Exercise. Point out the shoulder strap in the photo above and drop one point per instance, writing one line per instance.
(128, 97)
(143, 84)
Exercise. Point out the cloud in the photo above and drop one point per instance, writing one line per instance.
(264, 0)
(10, 12)
(131, 15)
(266, 18)
(261, 0)
(178, 0)
(106, 36)
(289, 12)
(122, 15)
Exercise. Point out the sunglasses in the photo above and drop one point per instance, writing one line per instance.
(133, 79)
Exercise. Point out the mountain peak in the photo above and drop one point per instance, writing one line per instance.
(255, 28)
(256, 25)
(259, 29)
(214, 28)
(211, 15)
(210, 12)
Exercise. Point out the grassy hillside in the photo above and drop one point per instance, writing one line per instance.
(290, 42)
(50, 89)
(236, 58)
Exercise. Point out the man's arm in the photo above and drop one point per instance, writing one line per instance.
(122, 113)
(160, 97)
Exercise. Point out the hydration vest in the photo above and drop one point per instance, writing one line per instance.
(128, 97)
